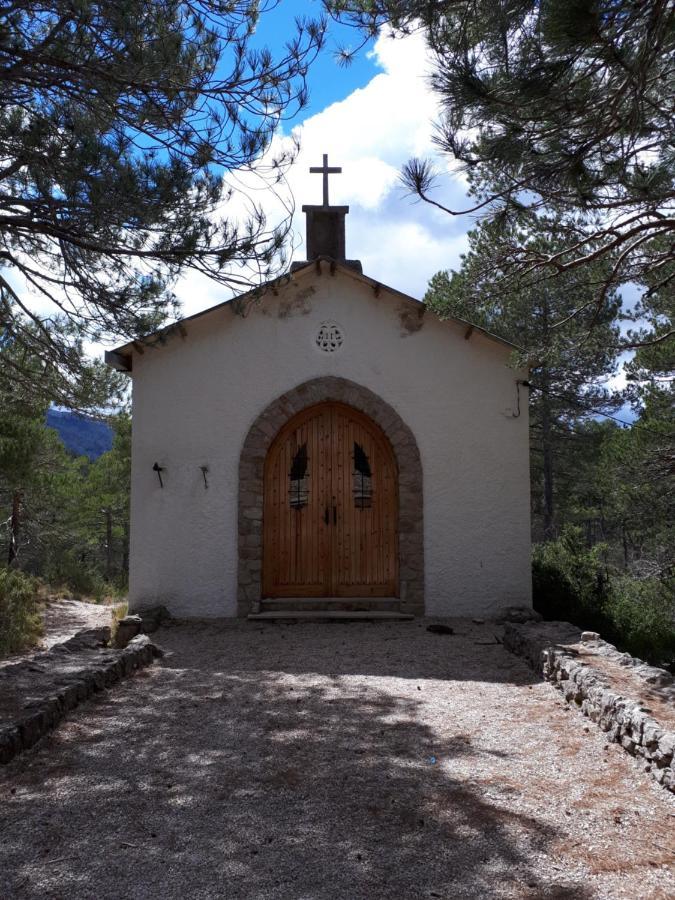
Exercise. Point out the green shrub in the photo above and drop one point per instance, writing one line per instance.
(20, 620)
(570, 582)
(82, 579)
(642, 617)
(69, 571)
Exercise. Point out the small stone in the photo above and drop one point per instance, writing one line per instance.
(437, 628)
(588, 636)
(628, 744)
(127, 628)
(10, 743)
(651, 733)
(520, 615)
(667, 744)
(152, 617)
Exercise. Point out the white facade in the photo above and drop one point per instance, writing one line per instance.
(196, 397)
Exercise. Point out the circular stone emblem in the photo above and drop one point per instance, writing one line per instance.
(329, 337)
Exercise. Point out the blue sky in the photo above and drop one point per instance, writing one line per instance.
(328, 81)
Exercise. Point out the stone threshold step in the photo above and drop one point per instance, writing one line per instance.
(300, 601)
(328, 614)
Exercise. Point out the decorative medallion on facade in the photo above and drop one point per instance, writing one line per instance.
(329, 337)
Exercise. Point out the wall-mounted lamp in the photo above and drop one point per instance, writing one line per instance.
(204, 470)
(518, 384)
(159, 469)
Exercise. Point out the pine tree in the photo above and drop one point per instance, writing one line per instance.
(118, 123)
(561, 107)
(567, 362)
(32, 458)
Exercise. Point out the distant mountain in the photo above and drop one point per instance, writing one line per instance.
(82, 436)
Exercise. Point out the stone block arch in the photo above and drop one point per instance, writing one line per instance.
(251, 468)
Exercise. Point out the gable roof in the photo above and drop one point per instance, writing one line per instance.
(121, 357)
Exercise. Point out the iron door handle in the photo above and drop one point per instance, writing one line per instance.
(325, 517)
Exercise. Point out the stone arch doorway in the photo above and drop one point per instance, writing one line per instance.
(263, 431)
(330, 507)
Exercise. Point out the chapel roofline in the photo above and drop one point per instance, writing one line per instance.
(121, 357)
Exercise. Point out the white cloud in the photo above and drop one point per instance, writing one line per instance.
(371, 134)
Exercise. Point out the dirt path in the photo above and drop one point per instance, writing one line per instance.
(306, 762)
(62, 619)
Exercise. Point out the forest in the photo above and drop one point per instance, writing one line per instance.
(65, 524)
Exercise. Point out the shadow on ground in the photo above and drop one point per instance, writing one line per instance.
(301, 764)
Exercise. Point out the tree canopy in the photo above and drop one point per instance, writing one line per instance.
(558, 106)
(118, 123)
(567, 363)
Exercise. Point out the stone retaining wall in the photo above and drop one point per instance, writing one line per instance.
(35, 694)
(552, 649)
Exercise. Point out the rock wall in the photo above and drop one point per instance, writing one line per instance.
(36, 694)
(553, 649)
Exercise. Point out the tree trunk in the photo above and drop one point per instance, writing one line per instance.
(624, 538)
(15, 526)
(546, 431)
(547, 449)
(108, 544)
(125, 550)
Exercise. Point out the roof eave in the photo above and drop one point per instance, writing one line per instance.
(120, 358)
(382, 286)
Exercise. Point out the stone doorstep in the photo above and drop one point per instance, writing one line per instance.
(547, 648)
(330, 604)
(328, 615)
(292, 601)
(101, 667)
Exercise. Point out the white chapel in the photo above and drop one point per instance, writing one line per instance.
(327, 444)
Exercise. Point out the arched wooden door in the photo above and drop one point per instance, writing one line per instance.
(330, 508)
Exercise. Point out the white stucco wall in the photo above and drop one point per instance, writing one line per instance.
(195, 399)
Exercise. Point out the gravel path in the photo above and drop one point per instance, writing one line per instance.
(332, 761)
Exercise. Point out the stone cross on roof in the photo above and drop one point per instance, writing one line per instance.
(326, 224)
(325, 170)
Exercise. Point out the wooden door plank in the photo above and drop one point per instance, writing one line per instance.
(367, 537)
(356, 554)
